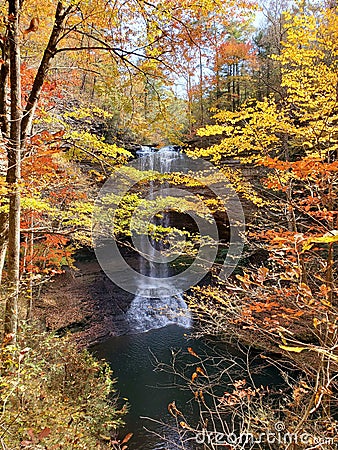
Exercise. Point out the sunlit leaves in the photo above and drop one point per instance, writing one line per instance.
(85, 145)
(292, 349)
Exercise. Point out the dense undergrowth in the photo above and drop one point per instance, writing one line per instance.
(53, 396)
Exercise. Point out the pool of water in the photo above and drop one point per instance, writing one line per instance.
(134, 360)
(149, 389)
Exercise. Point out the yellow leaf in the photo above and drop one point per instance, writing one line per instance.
(105, 438)
(331, 236)
(292, 349)
(316, 322)
(282, 337)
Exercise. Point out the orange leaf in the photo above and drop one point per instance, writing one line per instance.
(8, 338)
(194, 376)
(262, 273)
(173, 410)
(186, 426)
(127, 438)
(200, 371)
(191, 351)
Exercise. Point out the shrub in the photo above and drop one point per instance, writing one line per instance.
(53, 396)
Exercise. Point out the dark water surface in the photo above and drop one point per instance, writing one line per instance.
(149, 391)
(134, 359)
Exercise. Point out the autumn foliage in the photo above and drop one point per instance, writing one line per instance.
(287, 302)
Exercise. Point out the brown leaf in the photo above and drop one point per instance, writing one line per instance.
(261, 275)
(33, 26)
(201, 396)
(173, 410)
(44, 433)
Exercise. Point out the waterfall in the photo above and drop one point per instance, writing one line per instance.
(147, 312)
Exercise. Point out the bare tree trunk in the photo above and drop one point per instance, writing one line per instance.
(3, 241)
(3, 251)
(238, 86)
(201, 87)
(189, 101)
(30, 270)
(4, 127)
(14, 172)
(4, 112)
(51, 49)
(233, 88)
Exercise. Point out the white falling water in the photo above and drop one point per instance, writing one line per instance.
(146, 312)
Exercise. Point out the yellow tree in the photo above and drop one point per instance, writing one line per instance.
(290, 304)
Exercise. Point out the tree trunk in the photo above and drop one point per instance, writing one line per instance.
(189, 94)
(201, 87)
(18, 129)
(30, 270)
(14, 172)
(51, 49)
(238, 86)
(4, 127)
(3, 251)
(3, 240)
(4, 113)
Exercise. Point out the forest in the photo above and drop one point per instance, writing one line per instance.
(168, 224)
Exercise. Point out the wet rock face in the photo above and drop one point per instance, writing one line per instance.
(86, 303)
(186, 222)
